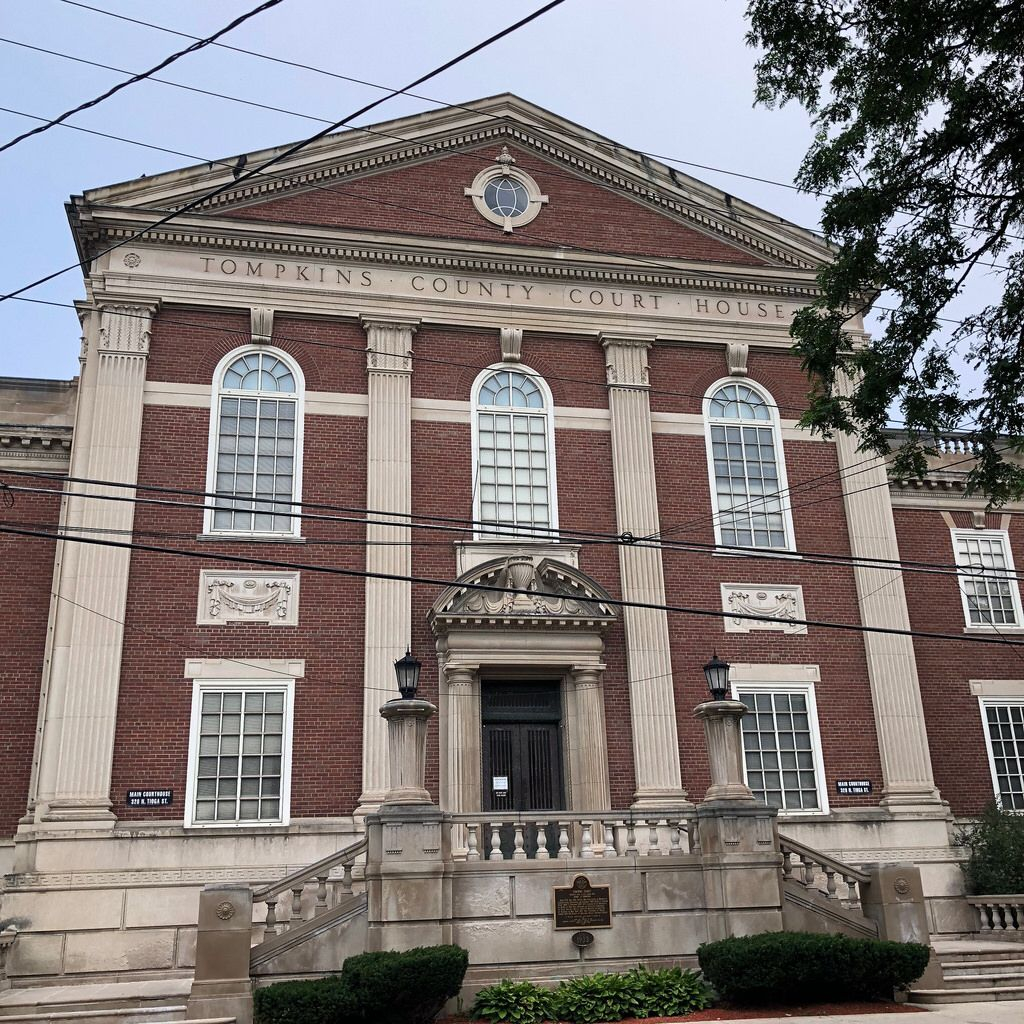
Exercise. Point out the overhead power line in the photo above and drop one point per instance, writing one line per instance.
(494, 589)
(290, 150)
(198, 45)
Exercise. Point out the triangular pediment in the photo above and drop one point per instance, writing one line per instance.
(409, 176)
(523, 591)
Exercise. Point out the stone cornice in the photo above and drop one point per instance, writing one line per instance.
(44, 444)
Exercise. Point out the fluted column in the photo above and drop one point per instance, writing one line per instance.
(388, 492)
(84, 672)
(649, 665)
(462, 754)
(588, 743)
(892, 667)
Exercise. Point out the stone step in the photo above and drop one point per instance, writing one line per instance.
(966, 968)
(929, 996)
(153, 1001)
(1015, 980)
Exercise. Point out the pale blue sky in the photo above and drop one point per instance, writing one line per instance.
(672, 77)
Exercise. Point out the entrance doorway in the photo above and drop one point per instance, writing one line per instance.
(522, 754)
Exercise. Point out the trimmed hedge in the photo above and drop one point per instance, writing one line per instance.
(801, 967)
(375, 988)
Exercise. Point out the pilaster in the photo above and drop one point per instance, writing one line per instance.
(649, 664)
(892, 668)
(84, 668)
(389, 497)
(588, 749)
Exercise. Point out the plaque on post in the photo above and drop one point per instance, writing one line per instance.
(582, 905)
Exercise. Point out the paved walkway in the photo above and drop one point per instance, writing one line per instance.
(1007, 1011)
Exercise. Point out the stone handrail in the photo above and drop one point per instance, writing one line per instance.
(1000, 914)
(573, 834)
(810, 864)
(7, 937)
(297, 881)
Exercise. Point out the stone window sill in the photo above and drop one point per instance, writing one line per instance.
(254, 538)
(995, 630)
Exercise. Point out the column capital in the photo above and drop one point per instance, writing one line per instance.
(626, 359)
(125, 327)
(389, 348)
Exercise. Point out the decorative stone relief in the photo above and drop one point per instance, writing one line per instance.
(626, 360)
(779, 602)
(267, 597)
(736, 358)
(125, 329)
(511, 344)
(262, 324)
(389, 344)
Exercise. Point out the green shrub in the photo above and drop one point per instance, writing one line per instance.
(515, 1002)
(799, 967)
(375, 988)
(594, 998)
(669, 993)
(996, 852)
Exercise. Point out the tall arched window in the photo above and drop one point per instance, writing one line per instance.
(514, 452)
(746, 466)
(255, 444)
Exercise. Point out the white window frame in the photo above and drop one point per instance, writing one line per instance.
(504, 168)
(295, 530)
(779, 683)
(545, 536)
(984, 703)
(780, 459)
(988, 627)
(213, 684)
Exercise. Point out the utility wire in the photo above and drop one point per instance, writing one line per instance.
(507, 591)
(200, 44)
(288, 152)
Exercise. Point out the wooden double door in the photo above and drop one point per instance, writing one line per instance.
(522, 755)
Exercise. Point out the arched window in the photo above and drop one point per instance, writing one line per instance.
(255, 444)
(514, 452)
(746, 466)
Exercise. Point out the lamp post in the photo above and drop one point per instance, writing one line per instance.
(721, 717)
(407, 717)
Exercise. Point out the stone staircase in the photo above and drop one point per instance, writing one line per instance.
(976, 970)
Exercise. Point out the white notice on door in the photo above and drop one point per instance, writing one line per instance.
(499, 783)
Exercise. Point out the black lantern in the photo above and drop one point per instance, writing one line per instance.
(408, 671)
(716, 672)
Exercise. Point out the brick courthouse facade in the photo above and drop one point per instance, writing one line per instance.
(477, 316)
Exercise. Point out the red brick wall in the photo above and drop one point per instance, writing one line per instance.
(427, 199)
(956, 733)
(25, 585)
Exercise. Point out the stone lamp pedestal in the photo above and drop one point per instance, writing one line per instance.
(721, 720)
(407, 750)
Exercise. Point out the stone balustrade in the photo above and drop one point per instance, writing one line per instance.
(1001, 916)
(564, 835)
(333, 872)
(812, 869)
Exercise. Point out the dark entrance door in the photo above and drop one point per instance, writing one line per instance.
(522, 754)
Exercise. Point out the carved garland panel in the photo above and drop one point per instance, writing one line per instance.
(778, 602)
(269, 597)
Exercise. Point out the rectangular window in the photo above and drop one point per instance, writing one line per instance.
(782, 748)
(988, 587)
(513, 470)
(1004, 738)
(239, 754)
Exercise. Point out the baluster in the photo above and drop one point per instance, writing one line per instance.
(270, 925)
(519, 853)
(472, 850)
(609, 839)
(693, 830)
(598, 839)
(542, 841)
(1018, 919)
(587, 840)
(851, 890)
(495, 853)
(346, 880)
(654, 839)
(321, 895)
(564, 853)
(296, 906)
(1000, 916)
(787, 864)
(631, 850)
(830, 883)
(675, 831)
(983, 921)
(810, 870)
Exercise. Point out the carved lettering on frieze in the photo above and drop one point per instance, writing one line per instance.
(272, 598)
(773, 602)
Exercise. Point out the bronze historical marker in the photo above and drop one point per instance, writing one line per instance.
(582, 905)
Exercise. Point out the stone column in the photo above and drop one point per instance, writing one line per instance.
(461, 750)
(407, 751)
(84, 672)
(588, 745)
(892, 667)
(649, 664)
(721, 720)
(389, 491)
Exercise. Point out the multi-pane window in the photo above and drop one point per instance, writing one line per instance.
(239, 764)
(256, 446)
(747, 471)
(780, 749)
(514, 471)
(1004, 730)
(988, 583)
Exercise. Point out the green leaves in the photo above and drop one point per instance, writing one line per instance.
(918, 109)
(996, 845)
(515, 1002)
